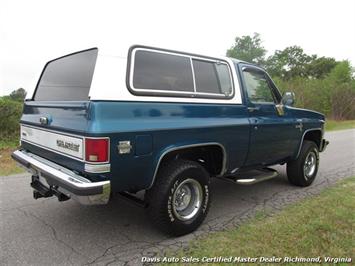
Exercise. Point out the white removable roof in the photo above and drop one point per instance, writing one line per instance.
(109, 83)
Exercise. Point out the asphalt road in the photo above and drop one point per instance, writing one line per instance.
(47, 232)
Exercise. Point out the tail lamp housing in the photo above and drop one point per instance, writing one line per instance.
(97, 150)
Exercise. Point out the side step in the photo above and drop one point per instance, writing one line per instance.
(253, 176)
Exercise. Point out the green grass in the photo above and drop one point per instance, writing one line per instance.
(9, 143)
(331, 125)
(319, 226)
(7, 164)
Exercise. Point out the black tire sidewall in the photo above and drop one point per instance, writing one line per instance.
(308, 147)
(295, 171)
(159, 197)
(311, 148)
(199, 176)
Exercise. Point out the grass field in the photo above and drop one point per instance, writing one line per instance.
(7, 164)
(331, 125)
(319, 226)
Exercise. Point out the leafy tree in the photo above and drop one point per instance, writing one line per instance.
(18, 95)
(292, 62)
(320, 67)
(248, 48)
(341, 73)
(289, 63)
(9, 119)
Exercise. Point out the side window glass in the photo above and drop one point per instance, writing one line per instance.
(159, 71)
(182, 75)
(257, 87)
(224, 79)
(212, 77)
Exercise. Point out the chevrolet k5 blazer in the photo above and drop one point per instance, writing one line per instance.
(164, 122)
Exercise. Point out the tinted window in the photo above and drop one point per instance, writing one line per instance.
(212, 77)
(257, 86)
(68, 78)
(206, 77)
(158, 71)
(224, 79)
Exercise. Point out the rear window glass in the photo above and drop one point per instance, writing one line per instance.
(164, 72)
(67, 78)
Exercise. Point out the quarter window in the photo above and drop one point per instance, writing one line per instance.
(163, 72)
(212, 77)
(224, 79)
(158, 71)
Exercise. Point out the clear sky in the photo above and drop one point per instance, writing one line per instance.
(33, 32)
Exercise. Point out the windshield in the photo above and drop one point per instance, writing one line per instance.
(67, 78)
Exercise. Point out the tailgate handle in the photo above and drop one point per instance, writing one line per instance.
(44, 120)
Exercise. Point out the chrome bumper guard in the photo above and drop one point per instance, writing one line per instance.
(323, 145)
(64, 180)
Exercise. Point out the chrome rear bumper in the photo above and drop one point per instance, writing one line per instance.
(63, 180)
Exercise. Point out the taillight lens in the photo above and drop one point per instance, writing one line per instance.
(96, 150)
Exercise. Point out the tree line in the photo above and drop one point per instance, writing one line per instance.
(320, 83)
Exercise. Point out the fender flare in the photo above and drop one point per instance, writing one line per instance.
(181, 147)
(302, 139)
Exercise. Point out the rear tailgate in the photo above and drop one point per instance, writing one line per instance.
(56, 132)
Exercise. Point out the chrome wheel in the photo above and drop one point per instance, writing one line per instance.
(187, 199)
(310, 165)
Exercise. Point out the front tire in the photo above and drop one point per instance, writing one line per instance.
(302, 171)
(180, 198)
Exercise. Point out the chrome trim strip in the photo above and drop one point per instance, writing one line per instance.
(224, 163)
(304, 133)
(84, 190)
(193, 74)
(97, 168)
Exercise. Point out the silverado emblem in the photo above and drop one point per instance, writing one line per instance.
(68, 145)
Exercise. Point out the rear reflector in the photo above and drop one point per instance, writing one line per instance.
(96, 150)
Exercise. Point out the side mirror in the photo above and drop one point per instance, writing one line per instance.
(288, 98)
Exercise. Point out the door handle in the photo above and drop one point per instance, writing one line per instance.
(254, 108)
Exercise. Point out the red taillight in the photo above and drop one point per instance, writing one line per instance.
(96, 150)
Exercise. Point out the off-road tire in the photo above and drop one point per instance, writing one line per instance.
(295, 169)
(159, 197)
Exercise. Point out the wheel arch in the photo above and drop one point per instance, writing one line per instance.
(312, 134)
(193, 150)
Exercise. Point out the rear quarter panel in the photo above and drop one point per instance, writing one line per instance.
(167, 126)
